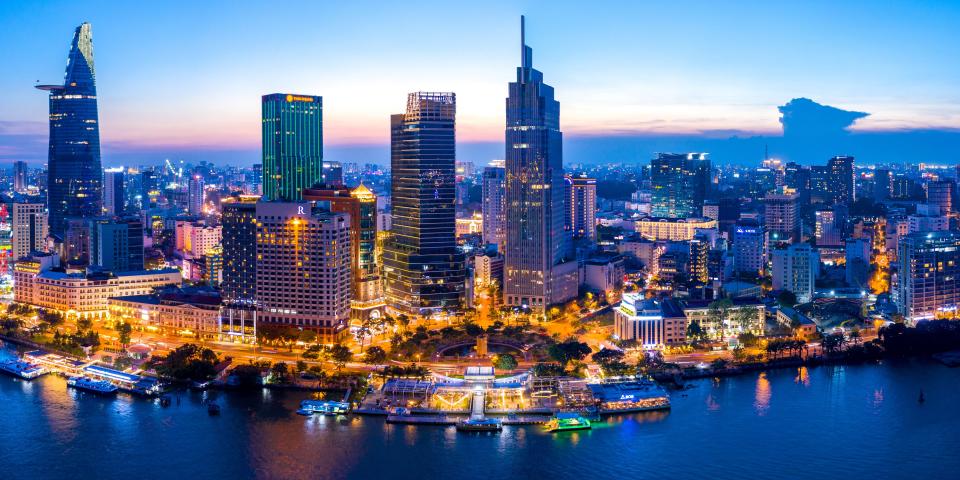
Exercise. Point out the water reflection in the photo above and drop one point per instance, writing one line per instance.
(803, 377)
(878, 398)
(761, 401)
(712, 404)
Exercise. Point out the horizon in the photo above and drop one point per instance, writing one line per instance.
(714, 89)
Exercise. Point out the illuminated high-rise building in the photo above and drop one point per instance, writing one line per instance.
(239, 229)
(424, 272)
(292, 145)
(73, 162)
(583, 207)
(680, 183)
(841, 184)
(195, 194)
(929, 275)
(782, 215)
(29, 227)
(114, 197)
(538, 266)
(493, 206)
(19, 176)
(940, 195)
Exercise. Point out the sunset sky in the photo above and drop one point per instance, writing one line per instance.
(189, 75)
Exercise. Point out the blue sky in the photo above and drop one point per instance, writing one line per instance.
(180, 76)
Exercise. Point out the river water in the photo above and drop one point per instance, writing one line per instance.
(844, 422)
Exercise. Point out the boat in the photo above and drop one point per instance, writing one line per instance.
(325, 407)
(479, 425)
(567, 421)
(213, 408)
(22, 369)
(100, 387)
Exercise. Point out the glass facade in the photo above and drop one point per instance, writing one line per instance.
(536, 199)
(74, 173)
(680, 182)
(423, 269)
(239, 250)
(292, 145)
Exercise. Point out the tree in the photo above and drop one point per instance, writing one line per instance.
(787, 298)
(84, 324)
(695, 331)
(719, 310)
(279, 371)
(568, 351)
(504, 361)
(748, 339)
(340, 355)
(375, 356)
(123, 333)
(247, 376)
(187, 362)
(301, 366)
(832, 342)
(606, 355)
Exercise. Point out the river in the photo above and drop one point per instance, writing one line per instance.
(843, 422)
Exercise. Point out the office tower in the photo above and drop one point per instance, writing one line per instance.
(749, 249)
(29, 223)
(332, 174)
(842, 184)
(239, 228)
(303, 268)
(680, 183)
(116, 245)
(292, 145)
(940, 195)
(203, 238)
(882, 184)
(361, 204)
(76, 242)
(797, 177)
(73, 160)
(820, 185)
(195, 195)
(423, 269)
(538, 270)
(114, 197)
(857, 253)
(583, 207)
(19, 176)
(782, 215)
(698, 261)
(929, 275)
(795, 270)
(493, 206)
(777, 169)
(825, 229)
(256, 183)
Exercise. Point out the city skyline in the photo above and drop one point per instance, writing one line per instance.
(707, 86)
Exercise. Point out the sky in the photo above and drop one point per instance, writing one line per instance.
(184, 79)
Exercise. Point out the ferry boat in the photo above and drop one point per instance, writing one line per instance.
(24, 370)
(567, 421)
(325, 407)
(101, 387)
(479, 425)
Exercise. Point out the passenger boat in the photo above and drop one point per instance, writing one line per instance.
(101, 387)
(479, 425)
(24, 370)
(567, 421)
(325, 407)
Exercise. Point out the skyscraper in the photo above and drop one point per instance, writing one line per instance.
(782, 215)
(195, 194)
(423, 270)
(749, 249)
(114, 198)
(116, 245)
(19, 176)
(940, 194)
(29, 227)
(583, 207)
(538, 271)
(680, 182)
(795, 270)
(842, 186)
(292, 145)
(73, 160)
(493, 206)
(303, 268)
(929, 274)
(239, 222)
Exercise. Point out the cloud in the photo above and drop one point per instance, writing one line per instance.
(802, 117)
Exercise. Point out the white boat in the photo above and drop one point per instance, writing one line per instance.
(24, 370)
(101, 387)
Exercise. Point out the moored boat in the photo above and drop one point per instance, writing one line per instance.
(22, 369)
(568, 421)
(100, 387)
(479, 425)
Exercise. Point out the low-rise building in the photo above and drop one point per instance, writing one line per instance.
(742, 316)
(653, 323)
(672, 229)
(175, 311)
(803, 325)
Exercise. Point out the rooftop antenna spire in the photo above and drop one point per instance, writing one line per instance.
(523, 43)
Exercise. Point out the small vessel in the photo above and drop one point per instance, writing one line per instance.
(325, 407)
(100, 387)
(213, 408)
(24, 370)
(165, 400)
(921, 399)
(479, 425)
(567, 421)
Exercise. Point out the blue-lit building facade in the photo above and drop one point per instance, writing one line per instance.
(292, 145)
(424, 271)
(73, 162)
(537, 267)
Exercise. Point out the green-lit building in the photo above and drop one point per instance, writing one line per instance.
(292, 145)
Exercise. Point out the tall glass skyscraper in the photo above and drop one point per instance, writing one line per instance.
(680, 182)
(423, 269)
(292, 145)
(537, 270)
(74, 183)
